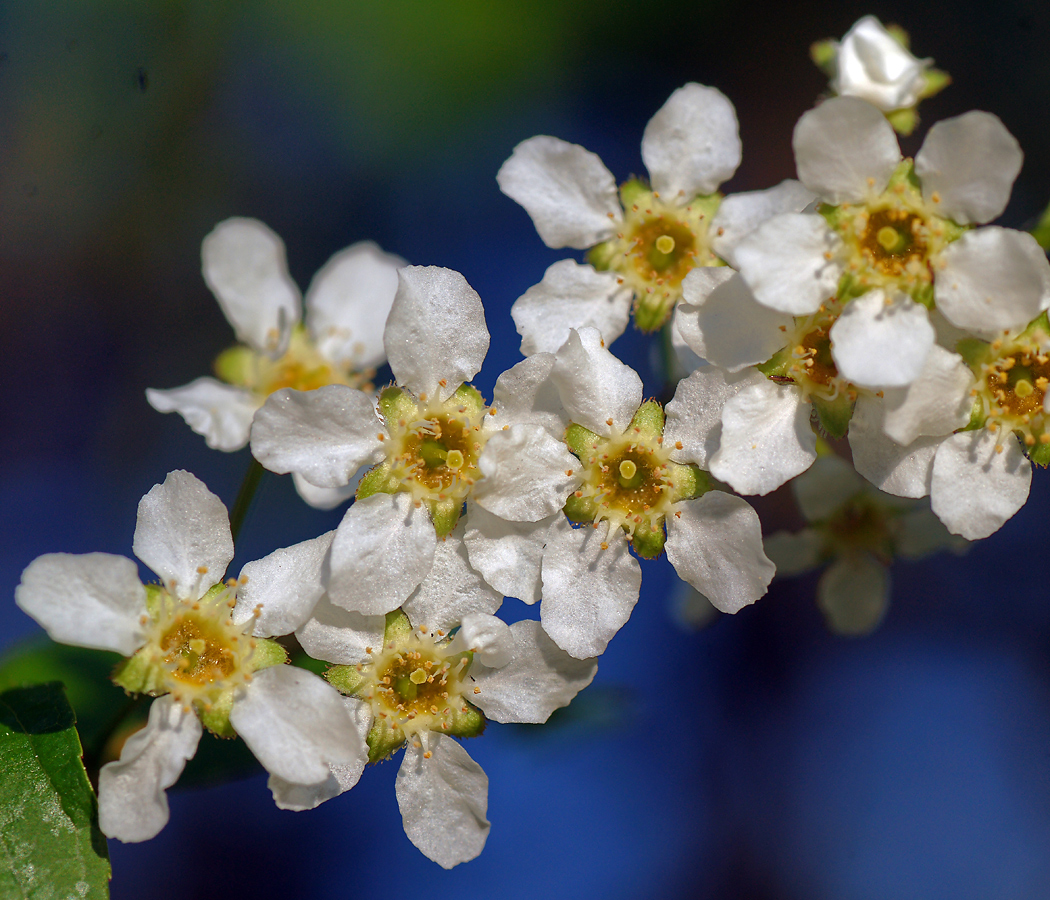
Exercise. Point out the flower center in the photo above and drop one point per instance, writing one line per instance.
(807, 359)
(1012, 385)
(436, 457)
(861, 524)
(893, 242)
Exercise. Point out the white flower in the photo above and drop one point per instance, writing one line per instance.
(188, 646)
(434, 443)
(645, 240)
(429, 673)
(878, 230)
(872, 64)
(340, 342)
(856, 532)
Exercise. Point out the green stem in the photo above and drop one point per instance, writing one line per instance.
(252, 479)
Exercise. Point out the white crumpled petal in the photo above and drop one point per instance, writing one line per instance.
(451, 590)
(132, 805)
(443, 801)
(525, 393)
(244, 266)
(183, 534)
(715, 543)
(382, 550)
(823, 488)
(90, 600)
(694, 415)
(736, 330)
(967, 166)
(566, 190)
(570, 296)
(794, 552)
(540, 678)
(325, 435)
(692, 144)
(435, 336)
(873, 65)
(992, 279)
(937, 402)
(507, 554)
(845, 150)
(876, 344)
(341, 778)
(974, 489)
(789, 262)
(740, 214)
(766, 438)
(897, 470)
(339, 635)
(487, 637)
(526, 474)
(588, 591)
(296, 724)
(854, 594)
(286, 585)
(594, 385)
(220, 413)
(325, 498)
(348, 301)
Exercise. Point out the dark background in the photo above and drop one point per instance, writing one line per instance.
(761, 758)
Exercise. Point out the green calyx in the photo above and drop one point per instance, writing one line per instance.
(834, 415)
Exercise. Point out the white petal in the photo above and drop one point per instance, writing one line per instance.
(897, 470)
(527, 475)
(794, 553)
(967, 166)
(974, 489)
(183, 534)
(694, 415)
(487, 637)
(338, 635)
(570, 296)
(325, 498)
(341, 778)
(854, 594)
(94, 600)
(540, 678)
(443, 801)
(696, 288)
(451, 590)
(325, 435)
(220, 413)
(525, 393)
(737, 331)
(348, 301)
(879, 344)
(132, 805)
(588, 592)
(507, 554)
(692, 144)
(936, 403)
(296, 724)
(992, 279)
(435, 335)
(766, 438)
(286, 585)
(873, 65)
(921, 533)
(566, 189)
(826, 486)
(594, 385)
(740, 214)
(244, 265)
(789, 262)
(382, 550)
(845, 150)
(715, 544)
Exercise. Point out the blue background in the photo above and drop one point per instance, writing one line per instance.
(760, 758)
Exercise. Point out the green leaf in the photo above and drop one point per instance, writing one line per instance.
(51, 845)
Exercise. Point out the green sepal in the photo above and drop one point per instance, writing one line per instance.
(1041, 232)
(138, 675)
(689, 482)
(632, 191)
(581, 510)
(834, 415)
(377, 480)
(832, 215)
(778, 365)
(394, 404)
(904, 121)
(708, 205)
(236, 365)
(397, 629)
(934, 81)
(345, 679)
(824, 54)
(444, 514)
(648, 540)
(469, 397)
(601, 256)
(1040, 325)
(850, 287)
(974, 351)
(580, 441)
(217, 719)
(1039, 454)
(649, 420)
(924, 294)
(383, 740)
(266, 653)
(467, 724)
(153, 594)
(977, 416)
(650, 318)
